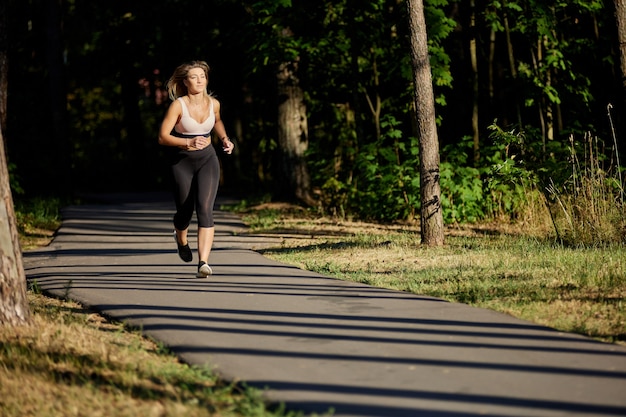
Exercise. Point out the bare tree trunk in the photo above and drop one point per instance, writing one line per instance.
(541, 103)
(56, 142)
(492, 54)
(14, 308)
(4, 64)
(474, 59)
(376, 105)
(431, 210)
(620, 17)
(512, 66)
(293, 132)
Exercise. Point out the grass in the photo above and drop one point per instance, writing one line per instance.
(581, 290)
(37, 220)
(589, 207)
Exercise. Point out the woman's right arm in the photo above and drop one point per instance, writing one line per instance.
(169, 121)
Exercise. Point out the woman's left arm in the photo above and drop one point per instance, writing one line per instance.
(220, 130)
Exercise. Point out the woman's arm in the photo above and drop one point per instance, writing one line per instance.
(169, 121)
(220, 129)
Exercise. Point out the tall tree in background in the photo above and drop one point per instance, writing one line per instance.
(56, 139)
(274, 30)
(431, 210)
(475, 84)
(14, 308)
(292, 131)
(620, 16)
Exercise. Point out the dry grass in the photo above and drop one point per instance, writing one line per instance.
(589, 208)
(35, 237)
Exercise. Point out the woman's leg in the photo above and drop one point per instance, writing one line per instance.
(208, 181)
(183, 174)
(205, 242)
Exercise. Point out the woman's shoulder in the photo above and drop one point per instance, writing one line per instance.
(177, 104)
(215, 102)
(175, 108)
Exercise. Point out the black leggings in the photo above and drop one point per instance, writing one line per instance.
(196, 178)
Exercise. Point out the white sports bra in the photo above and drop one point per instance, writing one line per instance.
(189, 126)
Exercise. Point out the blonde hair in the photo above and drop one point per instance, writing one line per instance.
(176, 84)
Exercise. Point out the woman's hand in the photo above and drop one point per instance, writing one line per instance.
(227, 145)
(199, 142)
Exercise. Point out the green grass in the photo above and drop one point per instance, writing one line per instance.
(37, 220)
(38, 213)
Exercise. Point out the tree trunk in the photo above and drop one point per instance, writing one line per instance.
(492, 55)
(375, 105)
(56, 142)
(475, 90)
(292, 132)
(14, 308)
(513, 68)
(620, 17)
(431, 211)
(4, 64)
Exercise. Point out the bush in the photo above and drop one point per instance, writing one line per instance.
(588, 208)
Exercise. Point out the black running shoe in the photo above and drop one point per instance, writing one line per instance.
(184, 251)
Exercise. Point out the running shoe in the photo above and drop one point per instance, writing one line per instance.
(184, 251)
(204, 270)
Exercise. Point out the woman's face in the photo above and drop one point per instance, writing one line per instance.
(196, 81)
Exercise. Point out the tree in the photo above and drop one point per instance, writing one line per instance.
(475, 86)
(620, 16)
(292, 131)
(4, 64)
(14, 308)
(276, 44)
(431, 210)
(56, 140)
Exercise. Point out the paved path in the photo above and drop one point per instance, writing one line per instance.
(316, 342)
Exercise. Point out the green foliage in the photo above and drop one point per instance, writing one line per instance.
(550, 55)
(354, 66)
(37, 213)
(499, 189)
(388, 176)
(461, 186)
(510, 185)
(14, 181)
(509, 181)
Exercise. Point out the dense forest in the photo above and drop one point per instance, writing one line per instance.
(521, 86)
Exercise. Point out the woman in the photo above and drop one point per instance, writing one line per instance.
(186, 128)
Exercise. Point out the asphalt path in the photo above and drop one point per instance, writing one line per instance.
(314, 342)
